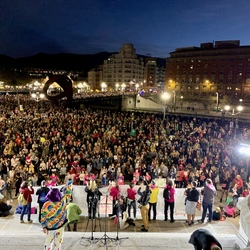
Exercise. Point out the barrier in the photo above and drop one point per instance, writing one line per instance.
(79, 197)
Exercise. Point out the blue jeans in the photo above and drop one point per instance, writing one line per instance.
(132, 205)
(28, 207)
(209, 207)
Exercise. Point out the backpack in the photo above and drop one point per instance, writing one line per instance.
(42, 197)
(166, 194)
(21, 200)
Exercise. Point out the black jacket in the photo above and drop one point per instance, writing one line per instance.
(203, 239)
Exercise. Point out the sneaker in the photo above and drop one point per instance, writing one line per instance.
(30, 221)
(21, 221)
(172, 221)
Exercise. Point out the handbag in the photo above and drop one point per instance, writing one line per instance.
(198, 205)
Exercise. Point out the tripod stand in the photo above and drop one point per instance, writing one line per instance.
(92, 207)
(105, 237)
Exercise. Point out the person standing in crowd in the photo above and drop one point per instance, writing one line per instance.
(153, 199)
(9, 189)
(144, 192)
(114, 191)
(93, 198)
(131, 199)
(209, 192)
(18, 183)
(203, 239)
(54, 216)
(42, 193)
(73, 215)
(27, 191)
(169, 201)
(238, 180)
(225, 183)
(191, 201)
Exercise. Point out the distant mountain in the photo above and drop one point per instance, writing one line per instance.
(63, 61)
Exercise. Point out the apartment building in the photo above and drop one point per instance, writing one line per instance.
(219, 68)
(127, 71)
(124, 69)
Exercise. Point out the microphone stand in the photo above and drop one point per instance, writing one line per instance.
(119, 214)
(92, 206)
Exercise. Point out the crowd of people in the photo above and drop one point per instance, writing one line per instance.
(56, 144)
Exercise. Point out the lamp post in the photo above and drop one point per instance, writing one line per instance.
(233, 112)
(181, 102)
(174, 100)
(117, 86)
(103, 86)
(165, 96)
(37, 97)
(136, 87)
(123, 87)
(217, 101)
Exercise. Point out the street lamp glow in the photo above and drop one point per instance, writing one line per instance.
(136, 86)
(227, 107)
(165, 96)
(123, 86)
(103, 86)
(239, 108)
(117, 86)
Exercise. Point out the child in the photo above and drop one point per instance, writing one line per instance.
(105, 180)
(230, 210)
(120, 179)
(217, 214)
(229, 198)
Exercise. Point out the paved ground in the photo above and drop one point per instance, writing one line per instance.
(162, 235)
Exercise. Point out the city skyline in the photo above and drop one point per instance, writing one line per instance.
(88, 27)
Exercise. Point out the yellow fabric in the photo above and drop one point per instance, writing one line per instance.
(154, 195)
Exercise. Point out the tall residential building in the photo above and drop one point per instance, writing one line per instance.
(123, 68)
(221, 67)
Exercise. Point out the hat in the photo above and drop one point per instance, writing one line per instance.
(217, 209)
(54, 195)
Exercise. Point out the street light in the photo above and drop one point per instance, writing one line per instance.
(217, 101)
(117, 86)
(174, 99)
(181, 101)
(136, 87)
(37, 97)
(233, 112)
(165, 96)
(123, 87)
(104, 86)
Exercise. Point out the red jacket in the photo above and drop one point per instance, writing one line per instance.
(27, 192)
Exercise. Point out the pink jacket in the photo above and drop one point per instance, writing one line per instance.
(172, 192)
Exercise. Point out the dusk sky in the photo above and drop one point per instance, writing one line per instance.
(156, 27)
